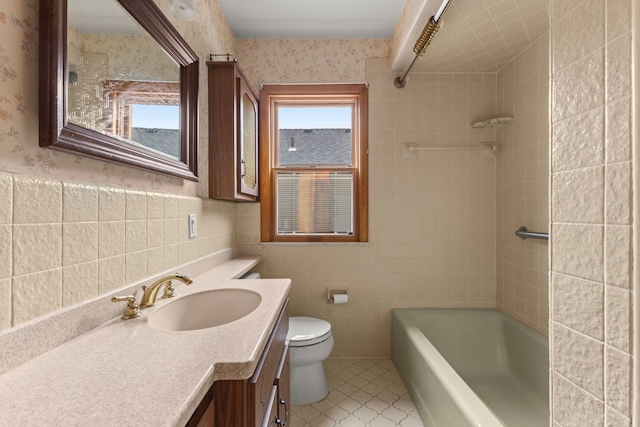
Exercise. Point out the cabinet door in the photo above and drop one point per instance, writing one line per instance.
(284, 387)
(248, 139)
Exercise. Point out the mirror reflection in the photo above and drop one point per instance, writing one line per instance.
(121, 82)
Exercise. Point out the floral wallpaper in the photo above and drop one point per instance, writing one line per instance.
(19, 145)
(307, 61)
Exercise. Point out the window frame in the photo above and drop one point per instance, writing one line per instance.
(323, 94)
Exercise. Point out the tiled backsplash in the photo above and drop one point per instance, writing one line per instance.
(63, 243)
(522, 177)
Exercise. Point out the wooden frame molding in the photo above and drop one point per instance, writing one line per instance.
(57, 133)
(270, 97)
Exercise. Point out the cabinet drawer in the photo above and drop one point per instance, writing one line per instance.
(263, 380)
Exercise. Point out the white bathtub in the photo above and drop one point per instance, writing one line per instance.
(472, 367)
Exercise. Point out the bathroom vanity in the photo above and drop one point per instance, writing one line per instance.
(263, 399)
(127, 372)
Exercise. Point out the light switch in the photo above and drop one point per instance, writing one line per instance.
(193, 226)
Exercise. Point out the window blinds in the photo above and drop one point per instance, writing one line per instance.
(249, 129)
(314, 202)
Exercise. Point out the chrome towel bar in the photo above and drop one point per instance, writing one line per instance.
(523, 233)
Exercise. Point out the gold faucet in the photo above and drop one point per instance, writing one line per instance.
(151, 292)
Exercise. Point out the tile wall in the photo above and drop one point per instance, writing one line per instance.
(432, 217)
(522, 177)
(64, 243)
(591, 213)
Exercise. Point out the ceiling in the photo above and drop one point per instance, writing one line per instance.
(101, 17)
(484, 35)
(476, 35)
(298, 19)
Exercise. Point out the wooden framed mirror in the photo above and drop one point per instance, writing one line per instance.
(108, 68)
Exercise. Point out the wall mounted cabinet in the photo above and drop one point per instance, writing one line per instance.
(233, 134)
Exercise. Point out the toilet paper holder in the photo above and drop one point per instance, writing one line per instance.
(332, 292)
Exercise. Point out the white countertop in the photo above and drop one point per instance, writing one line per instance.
(125, 373)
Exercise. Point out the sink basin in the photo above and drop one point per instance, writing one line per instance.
(205, 309)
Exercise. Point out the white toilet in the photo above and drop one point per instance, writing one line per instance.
(310, 342)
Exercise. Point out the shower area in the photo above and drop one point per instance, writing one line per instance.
(472, 134)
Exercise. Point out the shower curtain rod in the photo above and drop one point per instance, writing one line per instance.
(423, 42)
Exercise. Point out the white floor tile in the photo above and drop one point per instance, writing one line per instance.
(362, 393)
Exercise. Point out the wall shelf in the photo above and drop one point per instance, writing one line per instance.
(492, 123)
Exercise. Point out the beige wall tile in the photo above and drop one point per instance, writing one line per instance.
(614, 418)
(618, 191)
(619, 131)
(135, 266)
(6, 195)
(5, 304)
(35, 295)
(579, 196)
(155, 206)
(579, 141)
(36, 248)
(618, 381)
(79, 202)
(619, 68)
(586, 317)
(111, 274)
(573, 96)
(79, 242)
(578, 358)
(577, 250)
(155, 233)
(579, 34)
(111, 204)
(171, 255)
(36, 200)
(6, 247)
(135, 204)
(618, 312)
(155, 261)
(111, 238)
(79, 283)
(572, 406)
(618, 256)
(171, 231)
(135, 236)
(171, 207)
(618, 18)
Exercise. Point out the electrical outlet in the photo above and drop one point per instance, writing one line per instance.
(193, 226)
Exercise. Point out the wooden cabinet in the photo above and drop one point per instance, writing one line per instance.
(263, 399)
(233, 134)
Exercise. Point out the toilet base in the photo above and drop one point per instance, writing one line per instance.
(308, 384)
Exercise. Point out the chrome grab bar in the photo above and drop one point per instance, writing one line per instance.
(523, 233)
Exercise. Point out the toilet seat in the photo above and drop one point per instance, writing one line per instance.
(306, 331)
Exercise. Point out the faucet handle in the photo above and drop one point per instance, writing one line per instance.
(169, 290)
(132, 310)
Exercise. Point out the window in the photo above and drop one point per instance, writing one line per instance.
(313, 163)
(145, 113)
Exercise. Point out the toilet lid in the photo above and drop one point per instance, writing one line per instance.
(304, 331)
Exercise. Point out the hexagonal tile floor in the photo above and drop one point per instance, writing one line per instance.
(362, 393)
